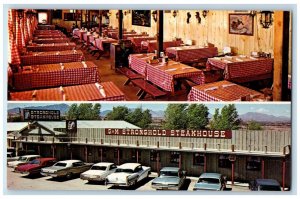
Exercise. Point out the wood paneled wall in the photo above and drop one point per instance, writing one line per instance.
(213, 29)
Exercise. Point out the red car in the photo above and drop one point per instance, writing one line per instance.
(35, 166)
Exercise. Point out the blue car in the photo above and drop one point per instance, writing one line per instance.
(264, 185)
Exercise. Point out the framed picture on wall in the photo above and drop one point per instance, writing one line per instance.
(241, 24)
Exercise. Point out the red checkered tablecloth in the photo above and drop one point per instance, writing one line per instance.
(138, 40)
(49, 36)
(47, 32)
(190, 53)
(138, 62)
(85, 92)
(241, 66)
(222, 91)
(164, 75)
(51, 40)
(52, 57)
(51, 47)
(151, 46)
(52, 75)
(99, 42)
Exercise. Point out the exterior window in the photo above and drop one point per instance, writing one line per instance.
(224, 161)
(253, 163)
(198, 159)
(43, 17)
(174, 157)
(116, 153)
(134, 153)
(153, 156)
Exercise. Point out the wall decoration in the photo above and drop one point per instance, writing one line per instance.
(141, 18)
(241, 24)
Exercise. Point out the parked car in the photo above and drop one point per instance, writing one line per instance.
(22, 160)
(170, 178)
(66, 168)
(35, 166)
(99, 171)
(10, 157)
(264, 185)
(128, 174)
(210, 181)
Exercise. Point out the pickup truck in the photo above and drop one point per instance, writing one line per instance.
(66, 168)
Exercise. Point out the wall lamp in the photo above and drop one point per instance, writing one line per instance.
(188, 17)
(174, 13)
(204, 13)
(266, 19)
(154, 15)
(198, 17)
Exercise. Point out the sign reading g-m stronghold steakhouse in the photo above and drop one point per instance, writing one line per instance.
(225, 134)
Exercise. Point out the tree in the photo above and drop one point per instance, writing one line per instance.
(176, 116)
(146, 119)
(72, 113)
(197, 116)
(118, 113)
(253, 125)
(227, 120)
(84, 111)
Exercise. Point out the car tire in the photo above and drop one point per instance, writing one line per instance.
(69, 176)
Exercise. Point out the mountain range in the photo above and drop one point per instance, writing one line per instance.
(259, 117)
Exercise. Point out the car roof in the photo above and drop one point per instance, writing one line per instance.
(270, 182)
(30, 156)
(103, 164)
(176, 169)
(69, 161)
(129, 166)
(46, 159)
(210, 175)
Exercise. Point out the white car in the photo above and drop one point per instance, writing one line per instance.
(99, 171)
(128, 174)
(22, 160)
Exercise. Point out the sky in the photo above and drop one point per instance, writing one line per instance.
(276, 109)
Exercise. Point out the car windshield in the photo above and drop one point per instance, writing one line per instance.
(124, 170)
(22, 159)
(209, 180)
(102, 168)
(168, 173)
(269, 188)
(60, 164)
(36, 161)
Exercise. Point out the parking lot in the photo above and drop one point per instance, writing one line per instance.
(16, 181)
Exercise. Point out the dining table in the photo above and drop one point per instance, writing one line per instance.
(162, 74)
(46, 27)
(40, 36)
(52, 75)
(50, 40)
(223, 91)
(242, 68)
(102, 41)
(104, 91)
(52, 57)
(46, 31)
(151, 45)
(191, 53)
(51, 47)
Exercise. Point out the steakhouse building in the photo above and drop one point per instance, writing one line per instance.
(241, 155)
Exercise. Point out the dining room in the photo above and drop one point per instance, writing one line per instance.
(165, 55)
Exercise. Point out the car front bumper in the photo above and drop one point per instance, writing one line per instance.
(164, 187)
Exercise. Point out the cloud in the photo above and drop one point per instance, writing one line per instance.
(262, 110)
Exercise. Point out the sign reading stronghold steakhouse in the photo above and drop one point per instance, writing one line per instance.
(226, 134)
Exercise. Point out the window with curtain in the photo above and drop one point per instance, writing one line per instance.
(43, 17)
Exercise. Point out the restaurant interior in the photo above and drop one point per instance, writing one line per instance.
(164, 55)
